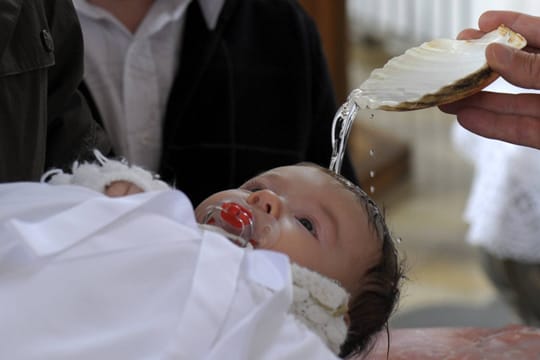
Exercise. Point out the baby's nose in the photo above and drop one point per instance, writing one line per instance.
(267, 201)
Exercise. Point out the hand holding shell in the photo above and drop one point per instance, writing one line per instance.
(435, 73)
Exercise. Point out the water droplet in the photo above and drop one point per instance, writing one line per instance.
(371, 152)
(371, 116)
(372, 189)
(399, 240)
(372, 174)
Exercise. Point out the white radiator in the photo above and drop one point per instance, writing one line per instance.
(401, 24)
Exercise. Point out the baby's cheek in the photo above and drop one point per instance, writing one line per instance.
(307, 252)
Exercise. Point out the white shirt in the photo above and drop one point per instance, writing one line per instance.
(84, 276)
(130, 75)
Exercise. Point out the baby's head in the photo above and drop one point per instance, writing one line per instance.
(327, 224)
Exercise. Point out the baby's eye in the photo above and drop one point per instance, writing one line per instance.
(252, 186)
(255, 189)
(308, 225)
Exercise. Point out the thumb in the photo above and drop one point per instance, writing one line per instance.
(515, 66)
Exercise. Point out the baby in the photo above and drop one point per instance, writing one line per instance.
(345, 269)
(327, 224)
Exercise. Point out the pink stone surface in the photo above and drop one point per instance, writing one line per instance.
(510, 342)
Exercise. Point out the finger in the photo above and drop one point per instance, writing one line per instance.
(470, 34)
(521, 130)
(491, 19)
(121, 188)
(531, 50)
(116, 189)
(133, 189)
(518, 67)
(509, 104)
(526, 25)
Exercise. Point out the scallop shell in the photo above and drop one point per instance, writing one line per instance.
(437, 72)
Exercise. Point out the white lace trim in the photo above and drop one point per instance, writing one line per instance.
(503, 208)
(98, 176)
(321, 304)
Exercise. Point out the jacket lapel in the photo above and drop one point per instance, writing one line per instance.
(9, 14)
(199, 45)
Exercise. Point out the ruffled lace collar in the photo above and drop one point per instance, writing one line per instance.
(321, 304)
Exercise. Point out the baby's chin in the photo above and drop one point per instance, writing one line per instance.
(234, 239)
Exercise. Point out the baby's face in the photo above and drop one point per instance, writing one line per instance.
(321, 225)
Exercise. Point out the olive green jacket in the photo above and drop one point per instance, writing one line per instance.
(44, 122)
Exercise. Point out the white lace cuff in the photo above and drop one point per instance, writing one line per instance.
(98, 176)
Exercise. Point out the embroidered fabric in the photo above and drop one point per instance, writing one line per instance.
(504, 204)
(321, 304)
(98, 176)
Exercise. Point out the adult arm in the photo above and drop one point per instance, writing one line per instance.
(72, 131)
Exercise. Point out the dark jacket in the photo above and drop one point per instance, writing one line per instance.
(251, 95)
(44, 121)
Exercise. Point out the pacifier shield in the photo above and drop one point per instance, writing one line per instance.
(235, 215)
(243, 224)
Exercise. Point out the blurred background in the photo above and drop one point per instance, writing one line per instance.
(415, 173)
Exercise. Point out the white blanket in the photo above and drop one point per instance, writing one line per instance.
(83, 276)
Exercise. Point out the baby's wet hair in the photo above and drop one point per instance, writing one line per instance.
(377, 298)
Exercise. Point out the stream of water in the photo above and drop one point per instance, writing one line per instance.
(341, 128)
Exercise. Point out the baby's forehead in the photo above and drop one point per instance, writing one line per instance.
(302, 172)
(361, 207)
(297, 174)
(320, 179)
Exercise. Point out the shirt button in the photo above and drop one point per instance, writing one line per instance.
(47, 40)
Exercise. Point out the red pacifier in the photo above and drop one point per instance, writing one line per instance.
(238, 222)
(235, 215)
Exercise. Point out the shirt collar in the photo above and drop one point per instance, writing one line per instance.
(210, 9)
